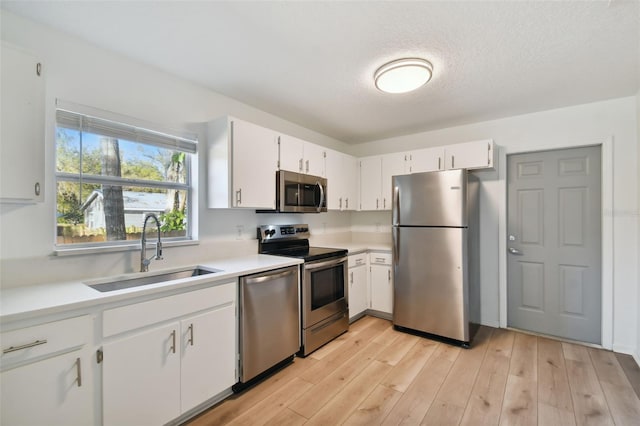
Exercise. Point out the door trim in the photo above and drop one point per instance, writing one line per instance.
(606, 146)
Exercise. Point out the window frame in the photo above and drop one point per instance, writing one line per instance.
(178, 141)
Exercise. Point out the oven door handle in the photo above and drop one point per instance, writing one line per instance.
(321, 196)
(309, 266)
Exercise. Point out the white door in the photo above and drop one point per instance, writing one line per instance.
(350, 185)
(554, 242)
(141, 378)
(48, 392)
(291, 153)
(357, 290)
(427, 160)
(314, 159)
(255, 162)
(470, 155)
(392, 165)
(208, 355)
(22, 109)
(381, 288)
(370, 183)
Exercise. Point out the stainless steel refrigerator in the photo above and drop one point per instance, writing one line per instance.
(435, 254)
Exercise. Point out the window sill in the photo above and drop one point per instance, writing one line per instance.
(74, 251)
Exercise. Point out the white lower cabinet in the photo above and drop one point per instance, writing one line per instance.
(47, 374)
(154, 375)
(141, 377)
(208, 355)
(381, 281)
(358, 285)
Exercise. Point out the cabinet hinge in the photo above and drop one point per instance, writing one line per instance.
(99, 356)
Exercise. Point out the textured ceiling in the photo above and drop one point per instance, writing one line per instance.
(312, 62)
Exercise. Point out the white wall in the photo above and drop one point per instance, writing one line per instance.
(566, 127)
(78, 72)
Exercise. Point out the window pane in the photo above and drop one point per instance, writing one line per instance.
(67, 150)
(99, 213)
(137, 161)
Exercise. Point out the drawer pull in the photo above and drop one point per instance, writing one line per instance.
(380, 259)
(358, 261)
(21, 347)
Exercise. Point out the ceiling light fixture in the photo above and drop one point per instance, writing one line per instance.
(403, 75)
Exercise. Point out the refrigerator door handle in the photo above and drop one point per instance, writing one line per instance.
(395, 255)
(396, 205)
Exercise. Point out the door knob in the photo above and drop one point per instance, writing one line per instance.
(514, 251)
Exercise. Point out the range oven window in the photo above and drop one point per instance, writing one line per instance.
(327, 286)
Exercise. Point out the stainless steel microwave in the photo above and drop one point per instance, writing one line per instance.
(300, 193)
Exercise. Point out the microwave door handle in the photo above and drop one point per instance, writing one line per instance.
(321, 196)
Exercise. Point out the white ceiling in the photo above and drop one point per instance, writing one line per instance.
(312, 62)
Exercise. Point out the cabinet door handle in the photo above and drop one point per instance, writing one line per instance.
(351, 278)
(341, 203)
(78, 372)
(238, 197)
(453, 159)
(389, 275)
(25, 346)
(377, 203)
(173, 342)
(300, 165)
(346, 202)
(384, 203)
(307, 166)
(439, 162)
(190, 341)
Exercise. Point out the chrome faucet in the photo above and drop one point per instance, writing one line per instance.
(144, 263)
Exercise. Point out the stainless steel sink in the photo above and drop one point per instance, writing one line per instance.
(123, 283)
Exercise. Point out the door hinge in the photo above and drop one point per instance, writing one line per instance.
(99, 356)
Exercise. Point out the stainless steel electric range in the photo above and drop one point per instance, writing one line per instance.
(324, 289)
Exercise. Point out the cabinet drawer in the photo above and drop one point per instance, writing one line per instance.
(40, 340)
(380, 258)
(357, 260)
(137, 315)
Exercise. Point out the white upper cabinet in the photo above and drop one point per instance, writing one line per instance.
(342, 181)
(22, 141)
(370, 183)
(300, 156)
(242, 163)
(375, 180)
(426, 160)
(470, 155)
(392, 165)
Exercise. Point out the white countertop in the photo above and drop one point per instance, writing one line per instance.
(44, 299)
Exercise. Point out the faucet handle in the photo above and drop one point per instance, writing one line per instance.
(159, 250)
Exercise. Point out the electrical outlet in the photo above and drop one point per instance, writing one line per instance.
(240, 229)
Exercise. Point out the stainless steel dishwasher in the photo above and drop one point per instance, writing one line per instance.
(269, 322)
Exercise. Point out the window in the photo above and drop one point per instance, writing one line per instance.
(111, 175)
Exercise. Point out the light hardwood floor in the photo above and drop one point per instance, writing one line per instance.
(376, 375)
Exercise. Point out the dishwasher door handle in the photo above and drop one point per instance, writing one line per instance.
(263, 278)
